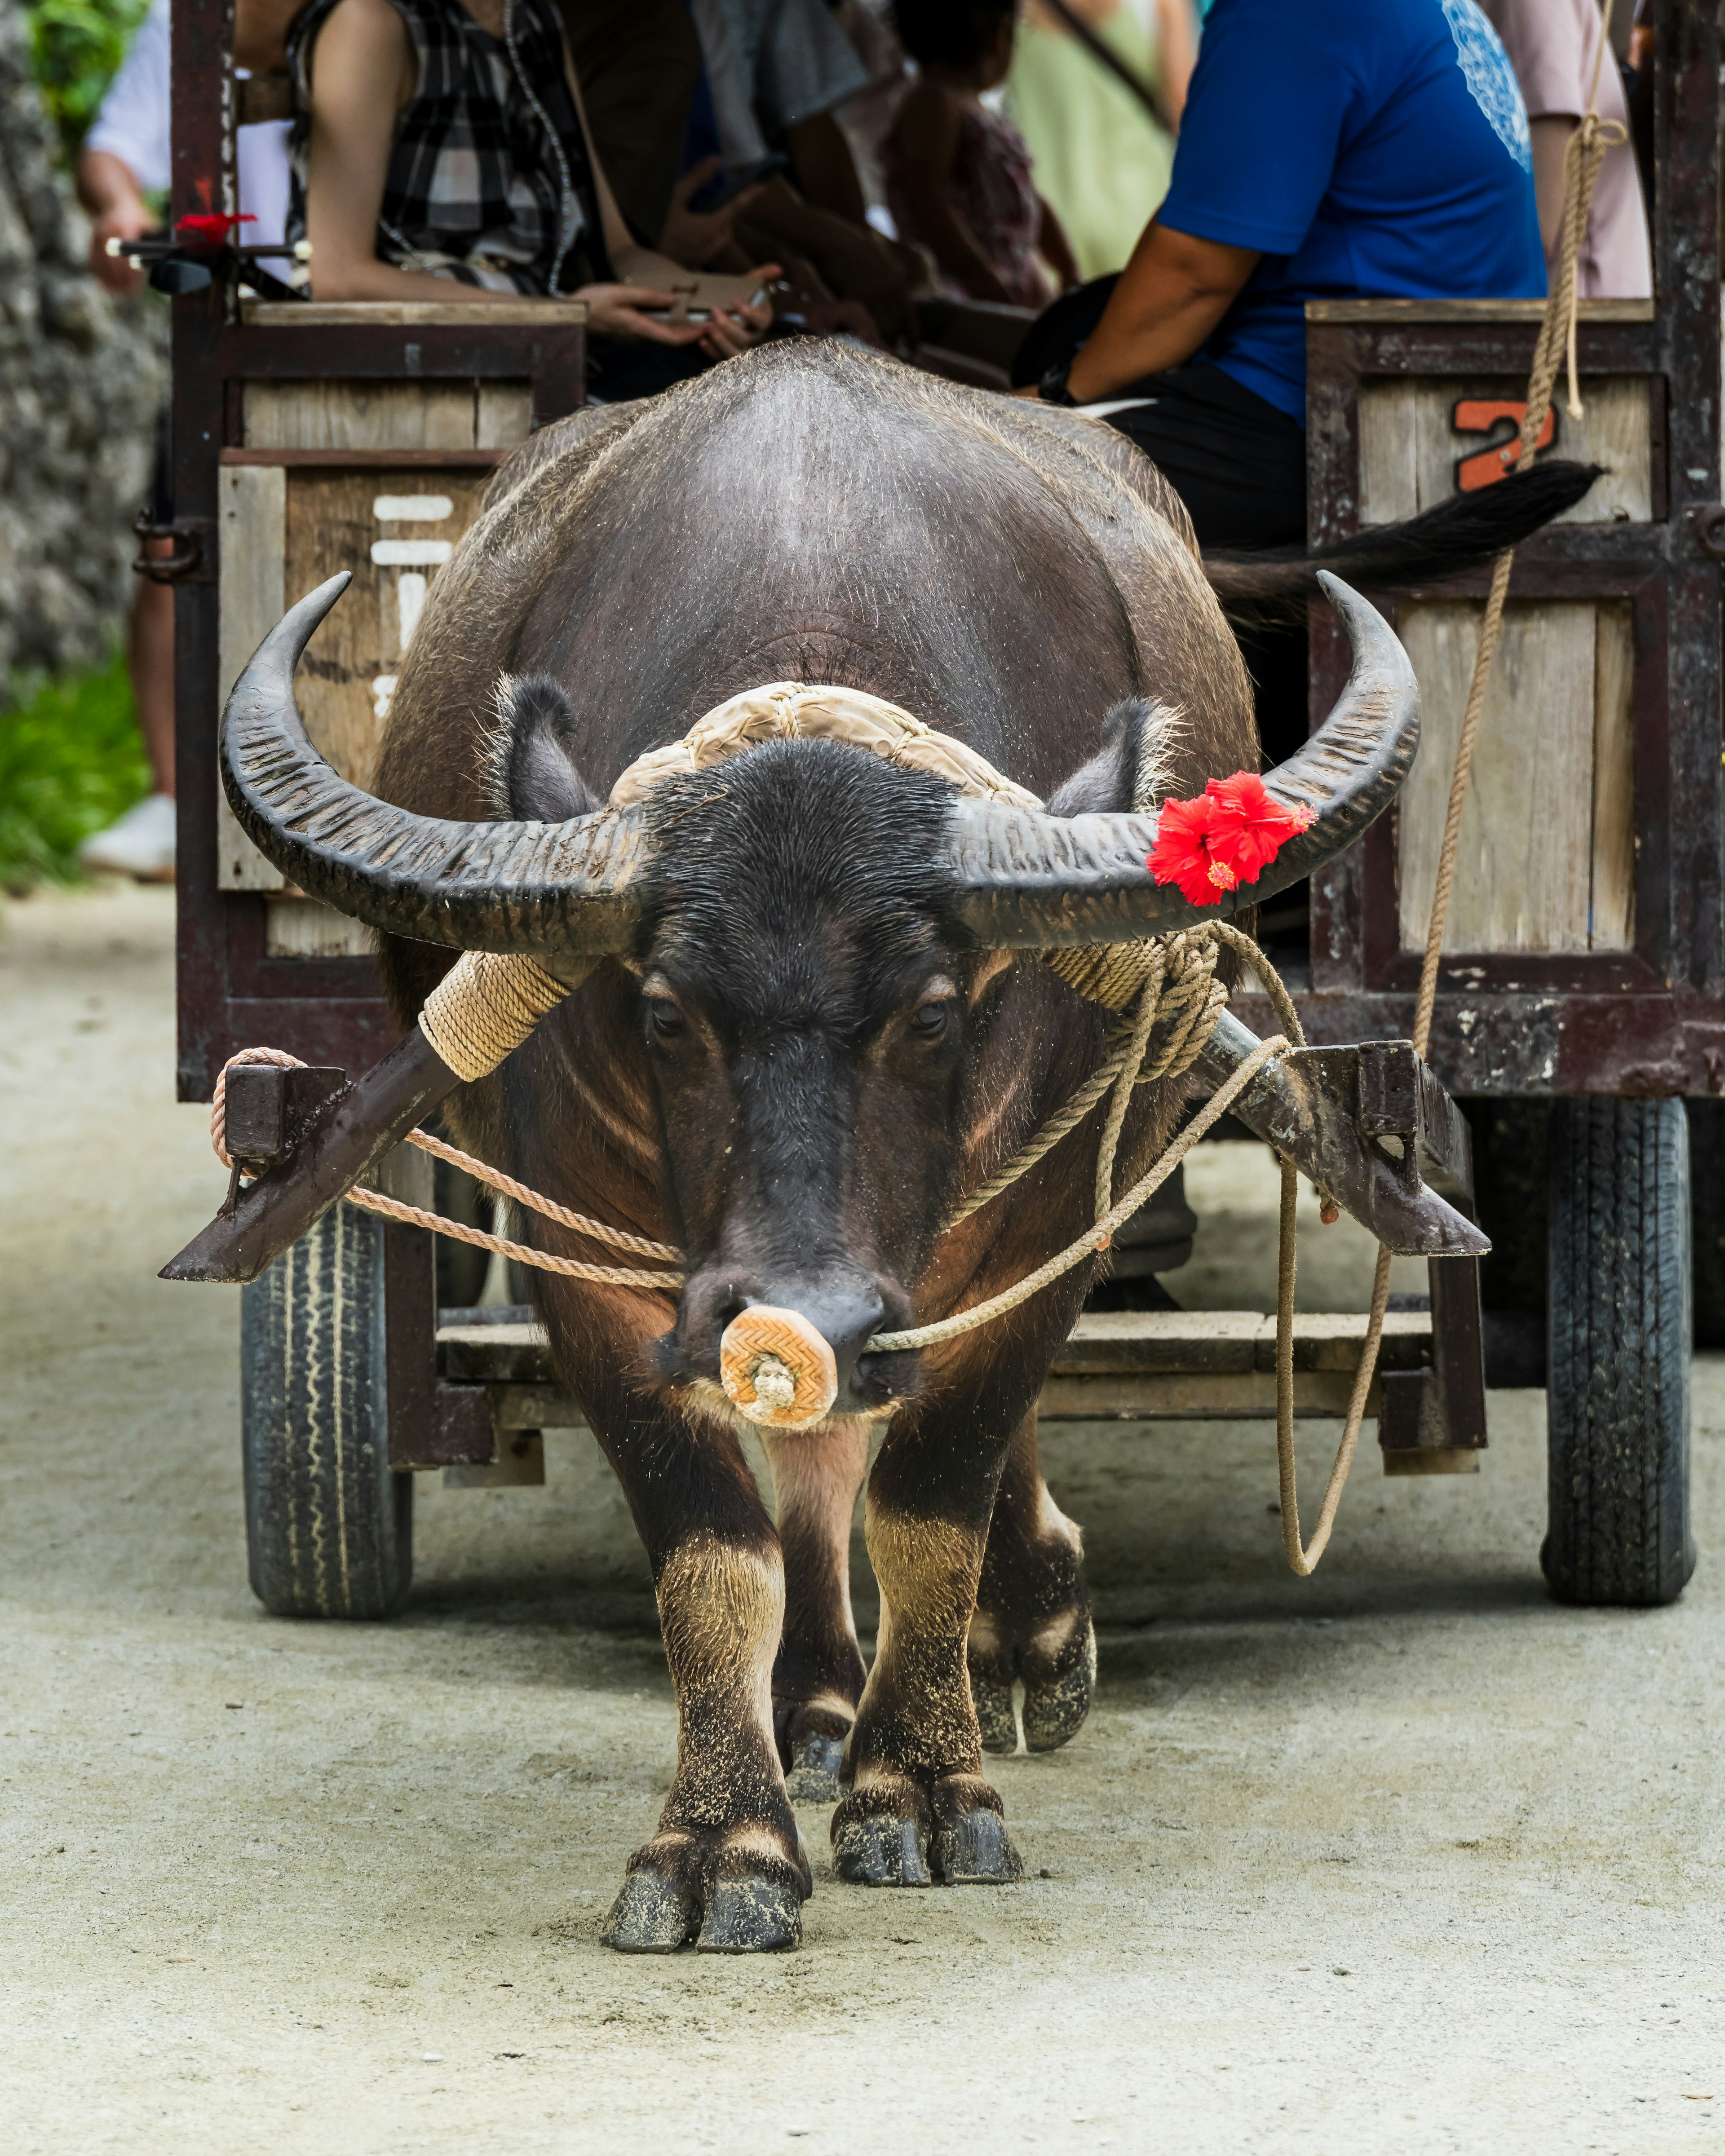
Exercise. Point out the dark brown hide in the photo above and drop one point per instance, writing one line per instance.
(813, 514)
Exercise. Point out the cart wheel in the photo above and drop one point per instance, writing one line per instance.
(329, 1529)
(1617, 1397)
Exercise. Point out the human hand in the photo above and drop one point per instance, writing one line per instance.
(693, 237)
(732, 330)
(124, 219)
(620, 310)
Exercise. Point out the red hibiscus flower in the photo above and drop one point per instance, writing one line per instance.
(1228, 836)
(1183, 852)
(1251, 826)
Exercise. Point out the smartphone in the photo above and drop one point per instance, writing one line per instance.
(726, 186)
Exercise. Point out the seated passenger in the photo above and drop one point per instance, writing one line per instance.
(1346, 149)
(441, 155)
(958, 179)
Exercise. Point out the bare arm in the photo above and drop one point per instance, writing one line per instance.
(929, 123)
(362, 74)
(1170, 296)
(1551, 134)
(109, 190)
(1179, 51)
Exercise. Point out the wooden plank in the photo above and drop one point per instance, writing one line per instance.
(252, 511)
(1389, 466)
(503, 415)
(1405, 426)
(1159, 1340)
(352, 414)
(389, 528)
(1334, 1340)
(295, 926)
(1473, 312)
(1206, 1396)
(413, 314)
(1215, 1396)
(1613, 925)
(360, 460)
(1524, 863)
(518, 1352)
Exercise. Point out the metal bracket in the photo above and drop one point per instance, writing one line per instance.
(1707, 522)
(193, 560)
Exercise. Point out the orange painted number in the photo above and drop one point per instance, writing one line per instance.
(1482, 415)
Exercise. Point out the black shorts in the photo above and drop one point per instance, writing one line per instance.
(1235, 460)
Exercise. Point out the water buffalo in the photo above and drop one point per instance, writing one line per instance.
(818, 1017)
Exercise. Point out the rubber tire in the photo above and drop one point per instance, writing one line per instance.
(329, 1529)
(1619, 1318)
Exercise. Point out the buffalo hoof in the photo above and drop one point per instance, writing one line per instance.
(652, 1915)
(880, 1850)
(993, 1712)
(1057, 1700)
(813, 1778)
(975, 1850)
(752, 1916)
(1056, 1663)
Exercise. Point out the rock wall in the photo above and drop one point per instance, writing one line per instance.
(80, 381)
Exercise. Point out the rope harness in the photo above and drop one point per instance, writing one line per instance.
(1164, 988)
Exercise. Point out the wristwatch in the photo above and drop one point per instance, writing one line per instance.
(1052, 388)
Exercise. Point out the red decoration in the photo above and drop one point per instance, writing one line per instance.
(1252, 826)
(1184, 836)
(209, 231)
(1228, 836)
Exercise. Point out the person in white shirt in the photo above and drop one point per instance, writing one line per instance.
(126, 159)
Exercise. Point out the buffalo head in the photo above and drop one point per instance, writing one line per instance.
(813, 934)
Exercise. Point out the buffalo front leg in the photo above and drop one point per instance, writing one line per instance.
(919, 1810)
(1032, 1620)
(818, 1677)
(725, 1867)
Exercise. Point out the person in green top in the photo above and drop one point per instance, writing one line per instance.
(1102, 162)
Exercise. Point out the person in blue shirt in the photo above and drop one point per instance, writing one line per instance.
(1333, 149)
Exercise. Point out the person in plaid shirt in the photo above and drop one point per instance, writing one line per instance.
(440, 154)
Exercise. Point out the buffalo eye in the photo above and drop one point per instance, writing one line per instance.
(664, 1017)
(934, 1014)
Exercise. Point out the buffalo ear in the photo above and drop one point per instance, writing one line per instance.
(531, 770)
(1131, 769)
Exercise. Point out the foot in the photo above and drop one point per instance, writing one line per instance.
(1053, 1653)
(811, 1745)
(141, 844)
(897, 1831)
(726, 1891)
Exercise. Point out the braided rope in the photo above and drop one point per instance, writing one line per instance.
(615, 1275)
(398, 1209)
(1097, 1235)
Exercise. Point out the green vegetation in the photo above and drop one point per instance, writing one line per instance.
(71, 760)
(75, 47)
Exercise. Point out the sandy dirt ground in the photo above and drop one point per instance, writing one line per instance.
(1403, 1858)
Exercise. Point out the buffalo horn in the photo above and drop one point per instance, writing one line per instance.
(514, 886)
(1031, 880)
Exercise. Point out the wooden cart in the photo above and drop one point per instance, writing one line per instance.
(312, 438)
